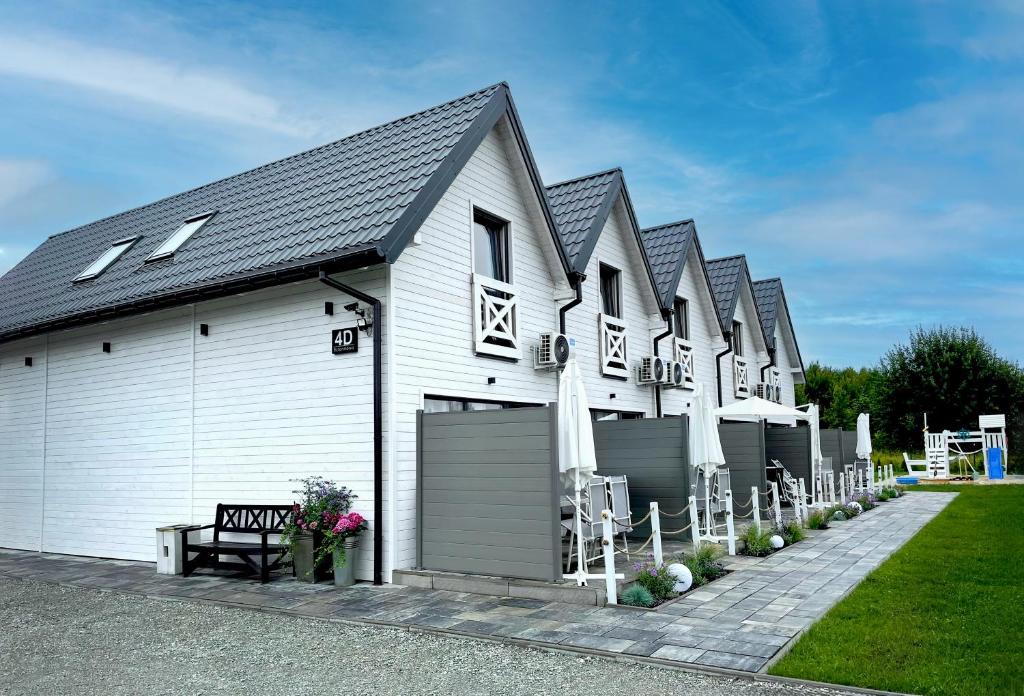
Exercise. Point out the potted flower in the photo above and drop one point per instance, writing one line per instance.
(321, 503)
(341, 541)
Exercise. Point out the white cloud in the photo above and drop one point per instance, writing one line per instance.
(194, 90)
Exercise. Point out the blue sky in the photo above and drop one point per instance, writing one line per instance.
(870, 154)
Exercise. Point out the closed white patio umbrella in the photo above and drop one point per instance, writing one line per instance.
(864, 436)
(577, 460)
(705, 446)
(814, 423)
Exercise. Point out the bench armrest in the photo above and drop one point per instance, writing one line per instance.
(266, 532)
(195, 528)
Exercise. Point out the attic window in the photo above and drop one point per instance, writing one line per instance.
(174, 242)
(106, 258)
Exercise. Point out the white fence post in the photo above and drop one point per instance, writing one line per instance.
(832, 489)
(871, 478)
(803, 500)
(892, 476)
(656, 532)
(694, 522)
(842, 488)
(776, 504)
(730, 530)
(609, 556)
(755, 506)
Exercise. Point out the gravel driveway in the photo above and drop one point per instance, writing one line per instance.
(79, 641)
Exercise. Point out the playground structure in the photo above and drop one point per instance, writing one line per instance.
(946, 450)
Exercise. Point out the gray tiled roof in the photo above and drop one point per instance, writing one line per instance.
(362, 196)
(725, 275)
(667, 247)
(580, 207)
(766, 294)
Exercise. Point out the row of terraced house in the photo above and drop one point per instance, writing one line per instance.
(218, 344)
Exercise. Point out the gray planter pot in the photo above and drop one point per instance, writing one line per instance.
(344, 575)
(303, 553)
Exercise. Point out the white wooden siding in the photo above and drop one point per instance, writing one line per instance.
(273, 404)
(117, 435)
(22, 402)
(705, 336)
(616, 248)
(754, 349)
(434, 329)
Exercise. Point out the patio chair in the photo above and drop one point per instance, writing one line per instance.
(915, 466)
(592, 502)
(621, 515)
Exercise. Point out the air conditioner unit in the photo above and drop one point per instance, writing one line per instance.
(652, 370)
(553, 352)
(676, 374)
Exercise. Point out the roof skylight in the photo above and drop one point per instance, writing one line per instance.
(174, 242)
(106, 258)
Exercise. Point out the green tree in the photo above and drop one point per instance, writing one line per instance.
(951, 374)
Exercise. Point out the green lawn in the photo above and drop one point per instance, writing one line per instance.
(944, 615)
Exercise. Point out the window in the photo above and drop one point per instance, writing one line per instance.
(737, 338)
(611, 291)
(681, 318)
(441, 404)
(106, 258)
(490, 247)
(174, 242)
(598, 414)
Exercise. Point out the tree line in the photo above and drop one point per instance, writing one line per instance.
(952, 374)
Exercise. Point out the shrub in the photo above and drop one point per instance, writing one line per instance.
(704, 565)
(655, 579)
(756, 543)
(838, 516)
(637, 596)
(817, 520)
(851, 510)
(791, 532)
(883, 495)
(865, 503)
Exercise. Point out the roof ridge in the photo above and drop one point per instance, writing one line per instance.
(687, 221)
(289, 158)
(727, 258)
(581, 178)
(768, 280)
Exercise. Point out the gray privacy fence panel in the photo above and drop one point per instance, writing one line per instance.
(488, 493)
(832, 446)
(653, 454)
(743, 447)
(849, 446)
(792, 447)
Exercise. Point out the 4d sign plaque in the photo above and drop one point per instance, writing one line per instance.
(345, 340)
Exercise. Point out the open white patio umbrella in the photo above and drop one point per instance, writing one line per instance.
(705, 443)
(577, 461)
(864, 436)
(756, 408)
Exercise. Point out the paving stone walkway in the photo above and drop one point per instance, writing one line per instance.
(740, 622)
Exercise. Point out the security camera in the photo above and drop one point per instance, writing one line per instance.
(352, 307)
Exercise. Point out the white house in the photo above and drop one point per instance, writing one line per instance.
(619, 309)
(786, 364)
(216, 345)
(697, 334)
(739, 366)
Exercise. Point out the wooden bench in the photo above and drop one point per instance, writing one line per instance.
(257, 520)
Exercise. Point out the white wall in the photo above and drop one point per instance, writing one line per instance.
(117, 435)
(705, 336)
(433, 346)
(22, 402)
(616, 247)
(170, 423)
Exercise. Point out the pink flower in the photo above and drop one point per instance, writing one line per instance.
(313, 524)
(356, 518)
(302, 524)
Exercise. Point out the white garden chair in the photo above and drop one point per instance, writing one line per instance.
(591, 505)
(621, 515)
(915, 466)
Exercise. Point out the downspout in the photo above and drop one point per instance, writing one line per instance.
(657, 387)
(378, 422)
(718, 364)
(577, 282)
(771, 362)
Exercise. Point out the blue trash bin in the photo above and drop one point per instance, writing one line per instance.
(995, 463)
